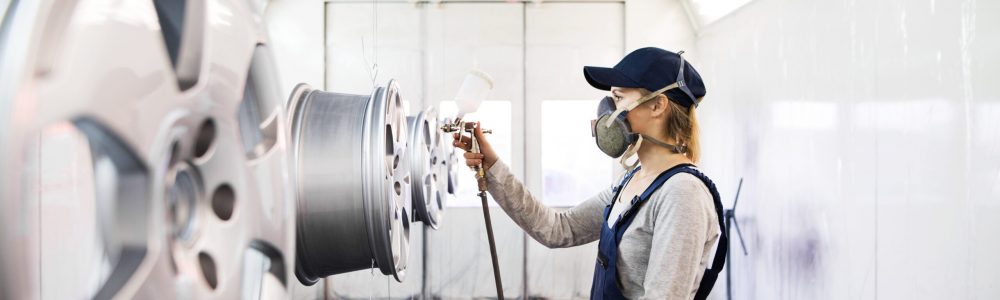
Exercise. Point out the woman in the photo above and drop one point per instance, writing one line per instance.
(659, 227)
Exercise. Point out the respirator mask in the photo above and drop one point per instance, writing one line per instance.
(613, 133)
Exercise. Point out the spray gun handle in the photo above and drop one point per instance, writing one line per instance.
(480, 172)
(459, 126)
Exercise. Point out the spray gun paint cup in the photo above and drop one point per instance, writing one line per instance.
(475, 87)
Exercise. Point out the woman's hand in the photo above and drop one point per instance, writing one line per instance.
(488, 157)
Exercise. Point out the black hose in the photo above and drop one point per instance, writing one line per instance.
(493, 245)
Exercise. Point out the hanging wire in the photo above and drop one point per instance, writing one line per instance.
(373, 69)
(372, 280)
(375, 35)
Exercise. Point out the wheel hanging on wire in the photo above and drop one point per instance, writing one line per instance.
(354, 197)
(426, 165)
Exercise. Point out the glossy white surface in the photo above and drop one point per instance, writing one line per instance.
(66, 192)
(867, 133)
(109, 65)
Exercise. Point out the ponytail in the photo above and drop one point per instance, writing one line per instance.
(682, 125)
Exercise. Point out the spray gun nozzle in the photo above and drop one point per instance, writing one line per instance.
(459, 125)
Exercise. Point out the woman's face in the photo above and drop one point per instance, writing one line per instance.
(642, 117)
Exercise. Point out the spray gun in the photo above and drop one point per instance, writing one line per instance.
(470, 127)
(474, 89)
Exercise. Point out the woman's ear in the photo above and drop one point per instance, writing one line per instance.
(660, 105)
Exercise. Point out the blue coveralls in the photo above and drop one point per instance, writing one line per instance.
(606, 284)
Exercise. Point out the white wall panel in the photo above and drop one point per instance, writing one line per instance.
(860, 128)
(561, 38)
(357, 50)
(663, 24)
(458, 256)
(295, 29)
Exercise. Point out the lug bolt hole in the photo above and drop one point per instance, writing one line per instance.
(208, 269)
(223, 202)
(206, 136)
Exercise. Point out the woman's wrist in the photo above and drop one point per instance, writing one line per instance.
(488, 163)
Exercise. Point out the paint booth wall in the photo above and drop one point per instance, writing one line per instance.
(868, 135)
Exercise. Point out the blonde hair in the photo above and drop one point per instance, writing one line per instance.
(682, 126)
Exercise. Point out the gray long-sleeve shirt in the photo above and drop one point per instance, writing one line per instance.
(662, 255)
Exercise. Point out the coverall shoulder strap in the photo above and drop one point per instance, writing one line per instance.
(661, 179)
(711, 274)
(653, 186)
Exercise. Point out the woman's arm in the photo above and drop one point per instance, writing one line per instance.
(575, 226)
(682, 216)
(553, 228)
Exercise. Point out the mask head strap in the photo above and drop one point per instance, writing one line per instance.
(679, 83)
(629, 152)
(673, 148)
(636, 103)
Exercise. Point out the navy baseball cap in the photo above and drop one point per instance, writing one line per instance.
(653, 69)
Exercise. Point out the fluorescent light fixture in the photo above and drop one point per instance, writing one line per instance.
(708, 11)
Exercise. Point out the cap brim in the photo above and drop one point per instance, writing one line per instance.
(605, 78)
